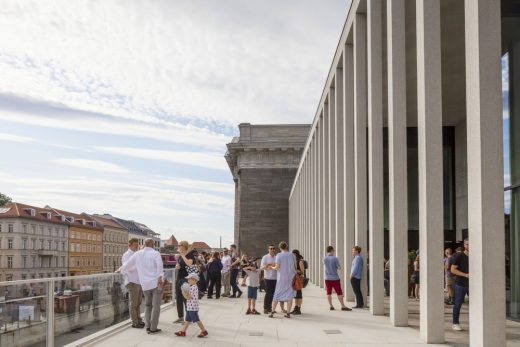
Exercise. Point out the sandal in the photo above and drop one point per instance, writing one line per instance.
(180, 333)
(287, 315)
(203, 333)
(271, 315)
(332, 308)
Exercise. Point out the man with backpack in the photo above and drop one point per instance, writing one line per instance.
(332, 280)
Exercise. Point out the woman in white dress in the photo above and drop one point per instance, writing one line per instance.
(285, 269)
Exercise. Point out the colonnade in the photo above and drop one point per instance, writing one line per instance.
(337, 198)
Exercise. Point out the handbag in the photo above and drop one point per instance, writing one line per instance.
(297, 282)
(305, 282)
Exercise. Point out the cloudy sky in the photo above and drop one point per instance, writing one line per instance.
(126, 106)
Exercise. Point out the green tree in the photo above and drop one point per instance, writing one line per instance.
(4, 199)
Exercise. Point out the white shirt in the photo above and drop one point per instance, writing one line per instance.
(149, 266)
(226, 263)
(253, 278)
(131, 275)
(269, 274)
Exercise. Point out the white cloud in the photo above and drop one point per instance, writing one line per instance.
(95, 165)
(184, 62)
(198, 184)
(210, 160)
(15, 138)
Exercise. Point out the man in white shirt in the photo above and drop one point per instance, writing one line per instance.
(226, 274)
(133, 286)
(267, 265)
(149, 266)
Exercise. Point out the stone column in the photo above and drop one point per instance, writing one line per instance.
(485, 173)
(326, 173)
(340, 173)
(348, 153)
(375, 155)
(397, 162)
(360, 129)
(316, 206)
(322, 194)
(332, 166)
(429, 109)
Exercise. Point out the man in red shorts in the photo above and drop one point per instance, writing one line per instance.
(332, 280)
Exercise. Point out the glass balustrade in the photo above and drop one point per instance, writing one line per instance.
(59, 311)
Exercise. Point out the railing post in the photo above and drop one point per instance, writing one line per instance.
(50, 313)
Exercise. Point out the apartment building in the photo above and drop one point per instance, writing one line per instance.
(85, 242)
(136, 230)
(115, 243)
(33, 243)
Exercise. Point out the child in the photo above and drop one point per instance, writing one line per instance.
(253, 279)
(192, 307)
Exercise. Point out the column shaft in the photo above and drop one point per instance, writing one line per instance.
(322, 194)
(360, 130)
(485, 173)
(375, 155)
(431, 229)
(332, 166)
(348, 153)
(326, 173)
(397, 162)
(340, 173)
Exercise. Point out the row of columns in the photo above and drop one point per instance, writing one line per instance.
(337, 198)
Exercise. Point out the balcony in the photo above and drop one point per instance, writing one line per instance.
(47, 253)
(79, 307)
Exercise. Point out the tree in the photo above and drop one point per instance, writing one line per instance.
(4, 199)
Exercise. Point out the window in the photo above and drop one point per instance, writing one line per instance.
(63, 261)
(34, 243)
(33, 261)
(33, 229)
(24, 243)
(83, 248)
(24, 276)
(33, 276)
(41, 230)
(48, 244)
(9, 262)
(41, 275)
(24, 262)
(56, 243)
(8, 277)
(78, 247)
(10, 228)
(41, 244)
(49, 229)
(72, 235)
(24, 227)
(1, 227)
(10, 244)
(63, 246)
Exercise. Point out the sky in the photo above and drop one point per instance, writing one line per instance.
(125, 107)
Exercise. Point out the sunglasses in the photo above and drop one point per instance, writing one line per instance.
(271, 248)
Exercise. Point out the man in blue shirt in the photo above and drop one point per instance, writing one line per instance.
(355, 276)
(332, 280)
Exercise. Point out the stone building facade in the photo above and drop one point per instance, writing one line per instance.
(263, 161)
(115, 243)
(33, 243)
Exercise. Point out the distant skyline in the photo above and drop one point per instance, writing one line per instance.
(126, 107)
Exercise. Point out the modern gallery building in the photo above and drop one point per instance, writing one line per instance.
(416, 145)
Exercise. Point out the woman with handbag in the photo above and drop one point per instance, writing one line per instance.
(285, 266)
(300, 273)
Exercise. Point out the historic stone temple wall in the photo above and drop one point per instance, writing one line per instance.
(264, 160)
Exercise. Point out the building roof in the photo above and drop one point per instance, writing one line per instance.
(82, 220)
(130, 225)
(172, 241)
(107, 222)
(200, 245)
(18, 210)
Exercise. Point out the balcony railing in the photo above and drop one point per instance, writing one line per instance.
(58, 311)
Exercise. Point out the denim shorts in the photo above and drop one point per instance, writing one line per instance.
(252, 292)
(192, 316)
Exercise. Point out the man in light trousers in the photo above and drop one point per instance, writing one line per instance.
(226, 273)
(134, 286)
(149, 266)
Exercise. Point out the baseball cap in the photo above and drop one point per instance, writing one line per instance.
(194, 276)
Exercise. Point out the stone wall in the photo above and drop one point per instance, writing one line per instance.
(264, 208)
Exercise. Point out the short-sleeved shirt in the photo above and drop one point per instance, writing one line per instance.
(183, 271)
(331, 264)
(462, 262)
(253, 278)
(192, 304)
(269, 274)
(447, 262)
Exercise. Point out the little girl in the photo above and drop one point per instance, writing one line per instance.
(192, 307)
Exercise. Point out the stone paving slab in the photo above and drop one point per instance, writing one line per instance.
(228, 326)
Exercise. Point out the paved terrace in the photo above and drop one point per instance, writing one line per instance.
(229, 326)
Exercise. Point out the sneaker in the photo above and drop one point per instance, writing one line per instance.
(332, 308)
(255, 312)
(456, 327)
(137, 326)
(346, 309)
(154, 331)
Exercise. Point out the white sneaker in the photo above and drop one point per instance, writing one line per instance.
(456, 327)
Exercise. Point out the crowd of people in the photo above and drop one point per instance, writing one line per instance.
(282, 275)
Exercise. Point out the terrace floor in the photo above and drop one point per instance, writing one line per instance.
(228, 325)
